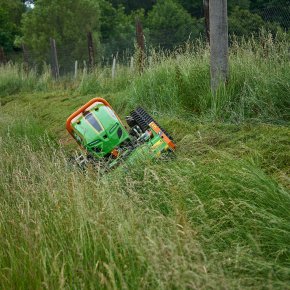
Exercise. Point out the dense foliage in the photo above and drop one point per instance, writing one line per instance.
(66, 21)
(169, 24)
(166, 23)
(10, 18)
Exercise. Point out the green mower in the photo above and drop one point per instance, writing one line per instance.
(99, 131)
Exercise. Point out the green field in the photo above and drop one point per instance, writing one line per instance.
(216, 216)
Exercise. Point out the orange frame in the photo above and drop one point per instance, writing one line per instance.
(158, 131)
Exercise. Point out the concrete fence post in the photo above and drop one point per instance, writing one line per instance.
(218, 42)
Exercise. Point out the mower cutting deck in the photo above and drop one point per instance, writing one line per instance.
(99, 131)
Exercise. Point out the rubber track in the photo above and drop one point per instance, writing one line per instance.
(143, 119)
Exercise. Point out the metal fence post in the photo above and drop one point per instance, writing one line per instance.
(91, 50)
(2, 56)
(76, 69)
(114, 67)
(25, 58)
(54, 60)
(132, 63)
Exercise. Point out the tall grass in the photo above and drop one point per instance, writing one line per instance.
(204, 220)
(207, 219)
(258, 86)
(14, 79)
(215, 216)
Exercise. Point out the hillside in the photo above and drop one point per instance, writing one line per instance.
(216, 216)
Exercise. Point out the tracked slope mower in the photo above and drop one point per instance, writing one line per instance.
(100, 132)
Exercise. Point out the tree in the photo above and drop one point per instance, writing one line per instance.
(117, 28)
(273, 10)
(244, 23)
(195, 8)
(28, 2)
(131, 5)
(67, 21)
(170, 24)
(10, 19)
(244, 4)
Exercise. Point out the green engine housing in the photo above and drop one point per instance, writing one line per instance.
(99, 130)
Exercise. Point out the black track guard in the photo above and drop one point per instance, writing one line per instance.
(143, 119)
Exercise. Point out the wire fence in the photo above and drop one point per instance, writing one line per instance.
(72, 57)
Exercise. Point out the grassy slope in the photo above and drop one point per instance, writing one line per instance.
(216, 216)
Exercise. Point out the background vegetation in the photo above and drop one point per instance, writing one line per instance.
(167, 24)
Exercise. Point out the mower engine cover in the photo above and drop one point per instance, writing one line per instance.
(97, 128)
